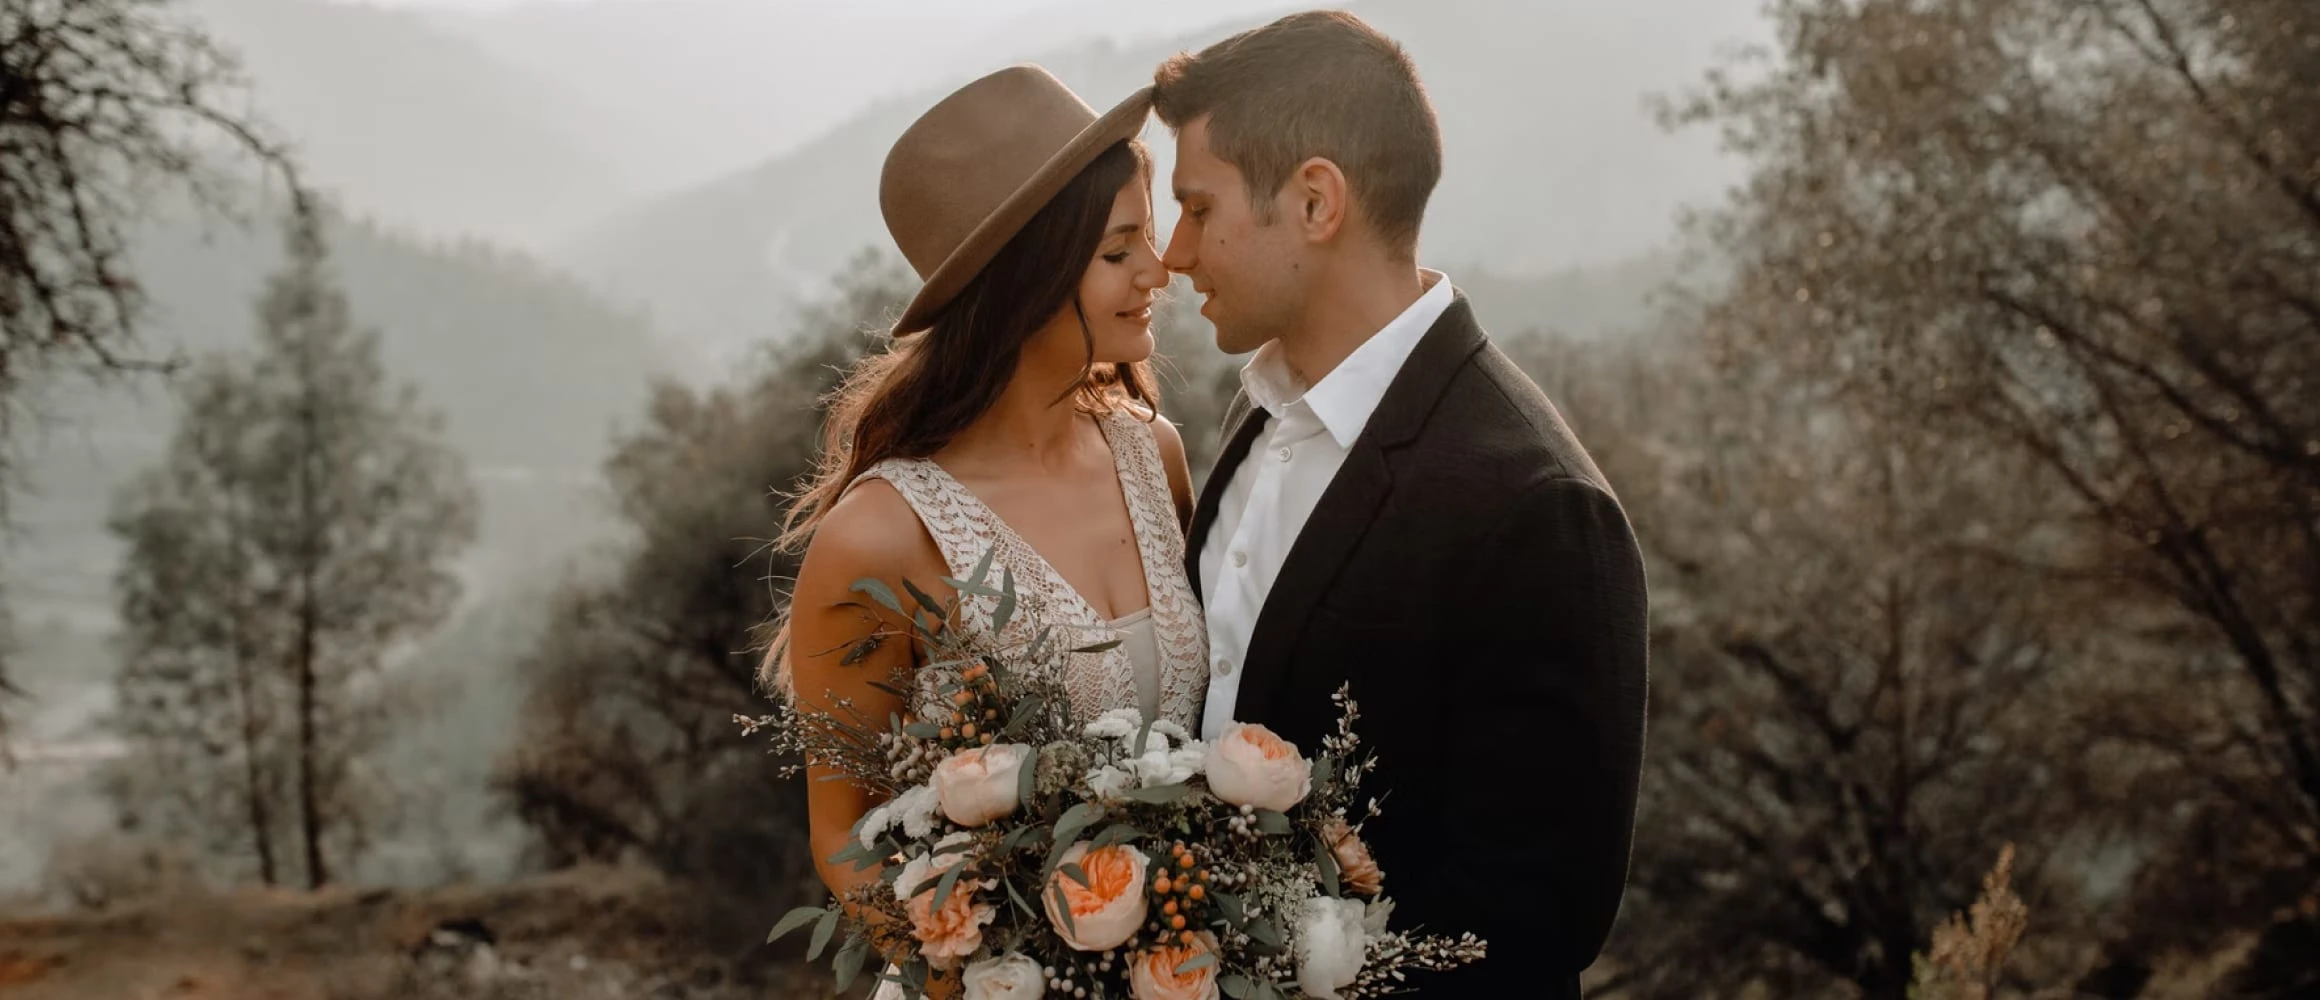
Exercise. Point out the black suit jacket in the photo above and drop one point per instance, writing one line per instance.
(1472, 576)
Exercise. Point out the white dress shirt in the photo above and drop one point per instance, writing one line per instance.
(1266, 502)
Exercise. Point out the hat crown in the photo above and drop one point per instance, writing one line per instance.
(961, 160)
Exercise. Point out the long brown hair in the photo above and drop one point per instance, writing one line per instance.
(911, 399)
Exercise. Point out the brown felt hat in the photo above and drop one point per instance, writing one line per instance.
(972, 171)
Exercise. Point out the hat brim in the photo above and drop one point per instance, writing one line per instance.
(1125, 121)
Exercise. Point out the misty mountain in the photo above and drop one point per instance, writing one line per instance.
(732, 82)
(422, 128)
(531, 370)
(1553, 160)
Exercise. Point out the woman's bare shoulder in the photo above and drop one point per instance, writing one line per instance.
(870, 532)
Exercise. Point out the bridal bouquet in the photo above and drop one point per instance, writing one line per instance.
(1037, 856)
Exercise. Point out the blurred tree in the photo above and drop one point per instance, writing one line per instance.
(628, 746)
(2083, 237)
(298, 530)
(1851, 705)
(103, 103)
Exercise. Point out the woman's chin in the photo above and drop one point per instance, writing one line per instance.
(1129, 350)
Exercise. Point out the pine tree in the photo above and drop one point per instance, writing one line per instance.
(300, 527)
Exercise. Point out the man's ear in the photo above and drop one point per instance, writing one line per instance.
(1322, 199)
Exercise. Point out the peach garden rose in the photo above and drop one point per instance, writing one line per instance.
(1250, 766)
(1106, 912)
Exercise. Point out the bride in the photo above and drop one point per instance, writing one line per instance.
(1014, 414)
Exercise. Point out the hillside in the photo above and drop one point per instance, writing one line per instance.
(531, 370)
(582, 934)
(421, 128)
(1553, 161)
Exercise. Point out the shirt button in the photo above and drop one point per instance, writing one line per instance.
(1240, 558)
(1224, 667)
(1284, 453)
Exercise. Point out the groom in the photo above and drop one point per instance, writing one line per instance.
(1399, 508)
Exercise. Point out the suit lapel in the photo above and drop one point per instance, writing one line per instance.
(1350, 505)
(1238, 440)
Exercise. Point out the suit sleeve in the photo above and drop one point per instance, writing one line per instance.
(1546, 776)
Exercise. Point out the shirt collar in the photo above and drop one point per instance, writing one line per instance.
(1344, 399)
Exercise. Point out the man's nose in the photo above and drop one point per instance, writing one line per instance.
(1179, 257)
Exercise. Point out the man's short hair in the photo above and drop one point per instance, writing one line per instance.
(1320, 83)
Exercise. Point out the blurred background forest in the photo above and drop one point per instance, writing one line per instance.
(395, 397)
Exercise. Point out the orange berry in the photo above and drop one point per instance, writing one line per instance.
(1176, 923)
(1196, 893)
(1161, 885)
(947, 732)
(1169, 909)
(1184, 862)
(969, 731)
(1187, 938)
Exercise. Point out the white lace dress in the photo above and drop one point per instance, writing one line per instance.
(1161, 665)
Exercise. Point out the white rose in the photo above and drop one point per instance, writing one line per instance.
(1331, 946)
(1252, 767)
(1012, 976)
(982, 784)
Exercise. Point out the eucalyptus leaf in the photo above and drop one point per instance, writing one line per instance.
(934, 608)
(1020, 902)
(1236, 986)
(793, 920)
(822, 931)
(1063, 908)
(1230, 906)
(942, 889)
(850, 958)
(1026, 779)
(1158, 795)
(1074, 872)
(1325, 862)
(1116, 834)
(1263, 931)
(1002, 614)
(1075, 821)
(1197, 963)
(880, 592)
(1272, 823)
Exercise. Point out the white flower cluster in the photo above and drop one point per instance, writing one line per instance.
(1171, 756)
(913, 809)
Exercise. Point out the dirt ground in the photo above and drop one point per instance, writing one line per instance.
(582, 934)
